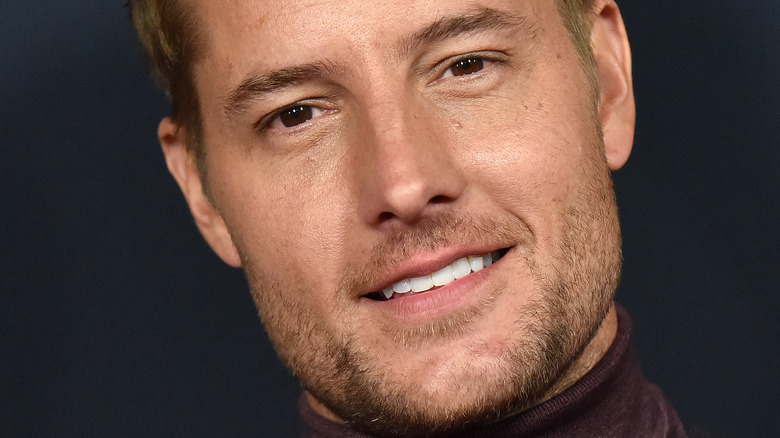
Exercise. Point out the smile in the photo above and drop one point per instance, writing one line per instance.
(455, 271)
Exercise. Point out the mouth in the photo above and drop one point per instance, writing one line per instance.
(458, 269)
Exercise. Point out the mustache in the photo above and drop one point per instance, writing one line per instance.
(441, 231)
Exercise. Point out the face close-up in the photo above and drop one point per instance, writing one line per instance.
(419, 194)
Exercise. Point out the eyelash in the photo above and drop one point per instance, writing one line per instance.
(485, 58)
(268, 122)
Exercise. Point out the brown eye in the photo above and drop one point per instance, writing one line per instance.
(466, 66)
(295, 116)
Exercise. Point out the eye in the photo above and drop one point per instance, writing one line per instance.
(464, 66)
(294, 116)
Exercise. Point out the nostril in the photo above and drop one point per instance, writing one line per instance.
(385, 216)
(439, 199)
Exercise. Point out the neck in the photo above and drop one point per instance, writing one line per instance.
(590, 356)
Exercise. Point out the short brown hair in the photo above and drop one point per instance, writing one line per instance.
(174, 40)
(575, 16)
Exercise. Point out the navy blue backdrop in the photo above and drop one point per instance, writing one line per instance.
(117, 320)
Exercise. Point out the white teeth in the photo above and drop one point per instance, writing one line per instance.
(476, 263)
(420, 284)
(457, 270)
(461, 268)
(443, 276)
(402, 286)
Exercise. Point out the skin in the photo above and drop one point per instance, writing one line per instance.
(406, 165)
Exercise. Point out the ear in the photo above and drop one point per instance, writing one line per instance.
(181, 164)
(613, 61)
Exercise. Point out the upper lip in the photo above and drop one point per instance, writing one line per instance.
(424, 263)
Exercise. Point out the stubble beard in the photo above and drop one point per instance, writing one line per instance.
(574, 292)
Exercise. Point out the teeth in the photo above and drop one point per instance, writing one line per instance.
(443, 276)
(457, 270)
(402, 286)
(461, 268)
(476, 263)
(420, 284)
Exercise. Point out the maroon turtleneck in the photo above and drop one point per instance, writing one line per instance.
(612, 400)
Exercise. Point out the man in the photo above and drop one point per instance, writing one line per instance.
(419, 194)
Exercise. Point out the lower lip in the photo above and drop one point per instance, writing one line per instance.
(439, 302)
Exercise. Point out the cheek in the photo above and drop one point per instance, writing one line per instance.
(526, 157)
(287, 222)
(530, 155)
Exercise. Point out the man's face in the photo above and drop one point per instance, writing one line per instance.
(352, 146)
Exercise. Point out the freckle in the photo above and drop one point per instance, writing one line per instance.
(558, 55)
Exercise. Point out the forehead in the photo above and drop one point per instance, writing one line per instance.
(243, 33)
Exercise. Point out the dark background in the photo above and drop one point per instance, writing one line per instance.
(117, 320)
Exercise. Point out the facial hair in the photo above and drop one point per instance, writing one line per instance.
(573, 291)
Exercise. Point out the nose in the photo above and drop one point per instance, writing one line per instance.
(409, 171)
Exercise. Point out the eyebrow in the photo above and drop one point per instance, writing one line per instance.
(483, 20)
(255, 86)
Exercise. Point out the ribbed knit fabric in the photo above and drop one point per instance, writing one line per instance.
(612, 400)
